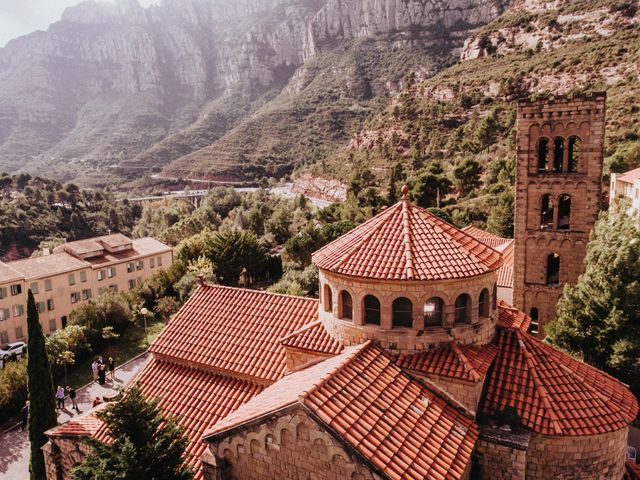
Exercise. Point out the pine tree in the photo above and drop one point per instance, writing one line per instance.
(500, 220)
(599, 317)
(145, 445)
(42, 407)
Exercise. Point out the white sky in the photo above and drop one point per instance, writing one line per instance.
(19, 17)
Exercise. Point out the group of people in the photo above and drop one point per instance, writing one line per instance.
(99, 370)
(60, 394)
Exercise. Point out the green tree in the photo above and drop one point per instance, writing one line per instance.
(430, 184)
(109, 334)
(42, 408)
(500, 220)
(599, 317)
(236, 253)
(467, 176)
(145, 444)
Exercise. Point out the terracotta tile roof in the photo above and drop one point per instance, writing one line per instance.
(197, 398)
(406, 242)
(629, 177)
(490, 239)
(553, 393)
(631, 470)
(8, 274)
(511, 317)
(463, 362)
(235, 331)
(390, 419)
(313, 337)
(48, 265)
(505, 272)
(84, 425)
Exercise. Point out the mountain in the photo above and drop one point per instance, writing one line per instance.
(224, 89)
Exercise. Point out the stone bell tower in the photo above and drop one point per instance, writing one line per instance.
(559, 156)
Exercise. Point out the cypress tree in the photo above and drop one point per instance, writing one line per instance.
(42, 407)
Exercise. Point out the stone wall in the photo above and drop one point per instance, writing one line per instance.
(555, 119)
(466, 393)
(61, 455)
(502, 455)
(298, 359)
(480, 330)
(289, 447)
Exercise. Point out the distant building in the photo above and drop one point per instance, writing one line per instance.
(74, 273)
(626, 185)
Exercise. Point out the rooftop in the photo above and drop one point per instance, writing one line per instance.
(490, 239)
(314, 338)
(629, 177)
(405, 242)
(511, 317)
(141, 247)
(503, 245)
(8, 274)
(47, 265)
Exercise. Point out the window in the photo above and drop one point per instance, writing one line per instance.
(75, 297)
(131, 283)
(433, 312)
(546, 212)
(34, 288)
(86, 294)
(463, 309)
(101, 275)
(130, 267)
(371, 310)
(100, 291)
(18, 310)
(494, 303)
(328, 298)
(3, 293)
(63, 321)
(111, 272)
(52, 325)
(4, 337)
(40, 306)
(402, 312)
(558, 154)
(346, 307)
(47, 285)
(159, 261)
(16, 289)
(533, 328)
(139, 265)
(19, 333)
(574, 153)
(152, 262)
(543, 154)
(72, 279)
(83, 276)
(113, 288)
(564, 212)
(553, 269)
(4, 314)
(50, 304)
(483, 304)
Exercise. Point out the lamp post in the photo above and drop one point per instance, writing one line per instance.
(144, 313)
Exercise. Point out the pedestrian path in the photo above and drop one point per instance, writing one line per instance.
(14, 444)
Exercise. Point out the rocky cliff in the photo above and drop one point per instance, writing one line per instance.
(119, 85)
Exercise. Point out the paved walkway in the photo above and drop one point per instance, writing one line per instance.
(14, 444)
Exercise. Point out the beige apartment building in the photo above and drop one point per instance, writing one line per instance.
(71, 275)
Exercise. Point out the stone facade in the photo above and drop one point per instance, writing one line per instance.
(558, 197)
(466, 393)
(288, 447)
(501, 455)
(479, 330)
(62, 455)
(298, 359)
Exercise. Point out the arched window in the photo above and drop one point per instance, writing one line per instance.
(494, 303)
(371, 310)
(558, 154)
(564, 212)
(433, 312)
(546, 212)
(574, 153)
(553, 269)
(483, 303)
(346, 307)
(533, 328)
(402, 310)
(328, 298)
(463, 309)
(543, 154)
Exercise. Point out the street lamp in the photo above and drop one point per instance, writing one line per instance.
(144, 313)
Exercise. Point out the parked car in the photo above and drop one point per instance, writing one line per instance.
(12, 351)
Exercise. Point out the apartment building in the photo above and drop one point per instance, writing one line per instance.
(71, 275)
(626, 185)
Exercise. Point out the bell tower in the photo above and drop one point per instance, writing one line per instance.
(559, 157)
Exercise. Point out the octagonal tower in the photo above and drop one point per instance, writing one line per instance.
(408, 279)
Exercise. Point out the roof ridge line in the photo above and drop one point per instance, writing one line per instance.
(540, 388)
(465, 361)
(406, 240)
(255, 290)
(302, 329)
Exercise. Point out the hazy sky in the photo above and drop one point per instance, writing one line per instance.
(19, 17)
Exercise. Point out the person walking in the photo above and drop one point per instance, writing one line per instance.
(94, 370)
(112, 368)
(102, 373)
(25, 415)
(60, 397)
(72, 396)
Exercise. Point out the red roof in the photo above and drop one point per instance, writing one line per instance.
(490, 239)
(198, 399)
(85, 425)
(554, 393)
(463, 362)
(405, 242)
(392, 420)
(505, 272)
(235, 331)
(511, 317)
(314, 338)
(629, 177)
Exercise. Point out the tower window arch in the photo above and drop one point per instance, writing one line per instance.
(553, 269)
(564, 212)
(328, 298)
(574, 153)
(346, 305)
(371, 310)
(433, 312)
(494, 301)
(533, 313)
(463, 309)
(402, 312)
(483, 303)
(558, 154)
(543, 154)
(546, 212)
